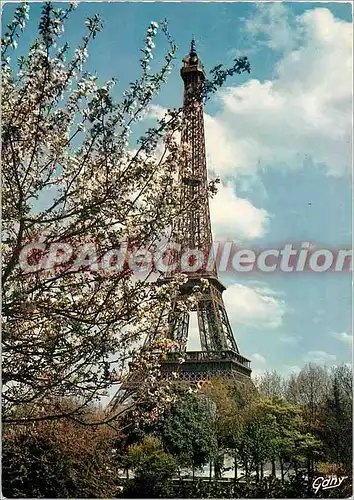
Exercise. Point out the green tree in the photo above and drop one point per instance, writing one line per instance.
(338, 416)
(188, 431)
(229, 399)
(256, 443)
(153, 469)
(291, 443)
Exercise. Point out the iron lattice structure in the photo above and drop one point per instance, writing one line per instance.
(220, 356)
(193, 232)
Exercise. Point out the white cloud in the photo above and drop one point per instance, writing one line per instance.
(319, 357)
(156, 111)
(232, 217)
(236, 218)
(290, 339)
(272, 27)
(290, 369)
(302, 113)
(193, 343)
(344, 337)
(246, 306)
(253, 308)
(258, 358)
(258, 364)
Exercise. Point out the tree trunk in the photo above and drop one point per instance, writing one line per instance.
(281, 469)
(312, 462)
(261, 471)
(193, 473)
(210, 469)
(309, 471)
(235, 467)
(274, 471)
(217, 467)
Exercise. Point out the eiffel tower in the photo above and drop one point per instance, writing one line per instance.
(219, 356)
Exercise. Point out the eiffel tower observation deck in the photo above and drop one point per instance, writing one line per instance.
(219, 356)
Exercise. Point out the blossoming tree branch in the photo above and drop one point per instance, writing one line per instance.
(72, 176)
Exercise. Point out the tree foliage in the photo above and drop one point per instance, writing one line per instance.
(338, 410)
(75, 188)
(270, 384)
(187, 430)
(58, 459)
(153, 468)
(65, 146)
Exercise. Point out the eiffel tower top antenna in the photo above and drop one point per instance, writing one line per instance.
(193, 46)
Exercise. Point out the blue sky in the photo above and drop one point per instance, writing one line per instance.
(279, 139)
